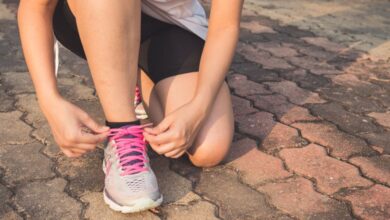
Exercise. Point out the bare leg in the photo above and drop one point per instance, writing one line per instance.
(150, 100)
(214, 139)
(110, 34)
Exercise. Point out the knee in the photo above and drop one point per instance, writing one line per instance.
(208, 157)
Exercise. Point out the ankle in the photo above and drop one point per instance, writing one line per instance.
(121, 124)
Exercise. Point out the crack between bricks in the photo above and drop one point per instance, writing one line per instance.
(315, 189)
(266, 197)
(193, 186)
(11, 200)
(54, 161)
(346, 132)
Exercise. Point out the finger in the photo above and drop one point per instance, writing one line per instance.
(153, 146)
(70, 153)
(161, 127)
(88, 138)
(84, 147)
(78, 151)
(163, 149)
(178, 154)
(92, 124)
(173, 152)
(163, 138)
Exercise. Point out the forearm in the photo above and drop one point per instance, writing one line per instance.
(215, 62)
(35, 27)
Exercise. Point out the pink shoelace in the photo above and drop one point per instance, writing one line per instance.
(130, 147)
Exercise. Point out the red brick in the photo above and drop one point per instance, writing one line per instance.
(296, 114)
(341, 145)
(241, 106)
(309, 63)
(380, 141)
(234, 199)
(251, 53)
(258, 125)
(273, 135)
(282, 136)
(236, 80)
(324, 43)
(346, 120)
(255, 166)
(277, 104)
(244, 87)
(263, 58)
(313, 51)
(294, 93)
(256, 28)
(297, 197)
(277, 50)
(382, 118)
(371, 204)
(275, 63)
(350, 80)
(331, 175)
(325, 69)
(377, 167)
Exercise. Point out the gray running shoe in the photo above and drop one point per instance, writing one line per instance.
(130, 184)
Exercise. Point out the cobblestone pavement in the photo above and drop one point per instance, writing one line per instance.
(310, 84)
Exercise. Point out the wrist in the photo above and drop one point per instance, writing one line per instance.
(48, 99)
(201, 104)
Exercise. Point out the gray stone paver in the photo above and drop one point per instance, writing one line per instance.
(235, 200)
(97, 209)
(306, 73)
(191, 207)
(301, 192)
(6, 211)
(5, 100)
(12, 128)
(84, 174)
(24, 163)
(171, 184)
(47, 200)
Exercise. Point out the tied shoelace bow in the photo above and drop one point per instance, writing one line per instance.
(130, 147)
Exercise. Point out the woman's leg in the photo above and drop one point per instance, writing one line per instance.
(214, 139)
(110, 34)
(151, 102)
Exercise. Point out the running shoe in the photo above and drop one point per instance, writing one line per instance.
(137, 98)
(130, 183)
(139, 108)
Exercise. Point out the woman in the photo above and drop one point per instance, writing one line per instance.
(180, 73)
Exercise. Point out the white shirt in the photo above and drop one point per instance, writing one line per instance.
(188, 14)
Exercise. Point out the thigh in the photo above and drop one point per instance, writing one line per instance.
(66, 31)
(214, 139)
(150, 100)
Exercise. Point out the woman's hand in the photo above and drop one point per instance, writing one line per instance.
(176, 132)
(68, 124)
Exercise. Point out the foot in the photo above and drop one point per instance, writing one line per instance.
(130, 184)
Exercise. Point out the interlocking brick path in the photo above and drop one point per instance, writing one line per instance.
(311, 94)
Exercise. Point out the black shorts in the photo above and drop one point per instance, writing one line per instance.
(166, 49)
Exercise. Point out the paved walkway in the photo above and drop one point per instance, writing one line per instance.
(311, 85)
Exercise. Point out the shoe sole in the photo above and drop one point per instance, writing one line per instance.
(139, 204)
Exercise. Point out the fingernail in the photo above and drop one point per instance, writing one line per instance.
(105, 127)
